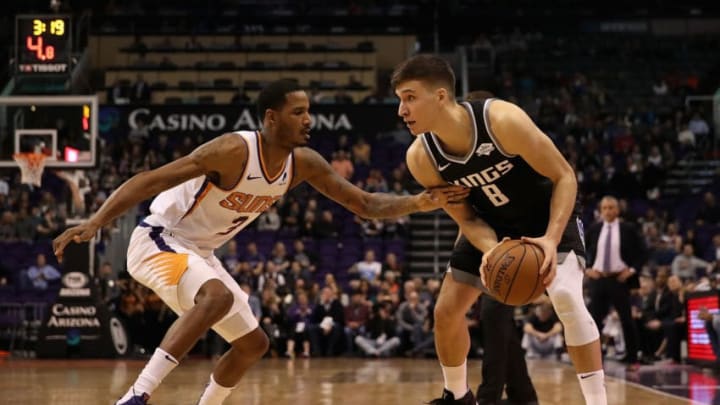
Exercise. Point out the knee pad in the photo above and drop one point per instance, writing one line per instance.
(567, 298)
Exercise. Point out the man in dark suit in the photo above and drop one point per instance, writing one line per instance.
(141, 92)
(658, 321)
(616, 253)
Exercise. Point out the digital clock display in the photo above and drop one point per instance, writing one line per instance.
(42, 44)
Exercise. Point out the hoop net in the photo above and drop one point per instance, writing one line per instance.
(31, 167)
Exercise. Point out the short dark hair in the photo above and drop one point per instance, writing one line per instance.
(273, 95)
(428, 68)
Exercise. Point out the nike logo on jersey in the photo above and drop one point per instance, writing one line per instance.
(251, 177)
(443, 167)
(484, 149)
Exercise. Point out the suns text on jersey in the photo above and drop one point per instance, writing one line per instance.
(243, 202)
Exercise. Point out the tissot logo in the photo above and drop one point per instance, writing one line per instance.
(75, 280)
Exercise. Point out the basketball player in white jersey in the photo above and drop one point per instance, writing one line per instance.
(204, 199)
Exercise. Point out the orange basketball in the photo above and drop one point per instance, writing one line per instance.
(513, 272)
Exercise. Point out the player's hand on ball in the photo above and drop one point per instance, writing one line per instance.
(483, 263)
(80, 233)
(439, 197)
(549, 265)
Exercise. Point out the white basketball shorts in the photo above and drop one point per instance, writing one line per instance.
(160, 262)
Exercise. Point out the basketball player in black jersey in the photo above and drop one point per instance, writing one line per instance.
(521, 187)
(503, 366)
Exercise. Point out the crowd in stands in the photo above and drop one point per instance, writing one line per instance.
(317, 297)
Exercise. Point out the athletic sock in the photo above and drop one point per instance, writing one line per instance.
(592, 385)
(214, 393)
(160, 365)
(456, 379)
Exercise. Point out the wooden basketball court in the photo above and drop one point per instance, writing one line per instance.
(345, 381)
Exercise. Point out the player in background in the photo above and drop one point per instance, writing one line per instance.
(203, 200)
(522, 187)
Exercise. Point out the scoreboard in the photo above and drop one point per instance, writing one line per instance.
(43, 44)
(699, 345)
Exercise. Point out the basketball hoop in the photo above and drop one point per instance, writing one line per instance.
(31, 167)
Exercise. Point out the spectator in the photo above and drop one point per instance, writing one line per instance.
(279, 257)
(686, 137)
(342, 165)
(272, 276)
(699, 127)
(380, 338)
(118, 94)
(673, 326)
(306, 260)
(367, 269)
(371, 228)
(712, 254)
(141, 92)
(658, 308)
(411, 316)
(49, 225)
(42, 274)
(687, 266)
(361, 152)
(231, 258)
(709, 212)
(542, 332)
(273, 320)
(253, 301)
(299, 318)
(660, 88)
(291, 217)
(254, 261)
(8, 226)
(327, 324)
(392, 264)
(357, 314)
(269, 220)
(325, 227)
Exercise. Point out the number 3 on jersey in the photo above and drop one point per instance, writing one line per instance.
(236, 222)
(494, 194)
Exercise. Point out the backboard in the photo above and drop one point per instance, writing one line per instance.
(62, 127)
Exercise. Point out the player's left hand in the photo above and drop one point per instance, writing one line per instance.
(483, 262)
(439, 197)
(549, 265)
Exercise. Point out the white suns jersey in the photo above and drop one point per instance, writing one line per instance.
(205, 216)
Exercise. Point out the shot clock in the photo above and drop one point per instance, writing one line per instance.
(43, 44)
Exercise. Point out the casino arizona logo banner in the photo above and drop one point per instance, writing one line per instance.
(213, 120)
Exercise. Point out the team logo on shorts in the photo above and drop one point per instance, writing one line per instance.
(581, 231)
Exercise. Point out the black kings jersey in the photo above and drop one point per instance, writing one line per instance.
(506, 192)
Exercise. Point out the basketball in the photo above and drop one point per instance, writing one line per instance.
(513, 274)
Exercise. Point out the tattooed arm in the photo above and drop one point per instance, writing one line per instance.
(210, 158)
(314, 169)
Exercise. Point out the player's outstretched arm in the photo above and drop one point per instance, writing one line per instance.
(314, 169)
(477, 231)
(207, 158)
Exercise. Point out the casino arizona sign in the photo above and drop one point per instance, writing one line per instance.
(188, 119)
(222, 121)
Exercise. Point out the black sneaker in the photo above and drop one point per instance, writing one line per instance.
(449, 399)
